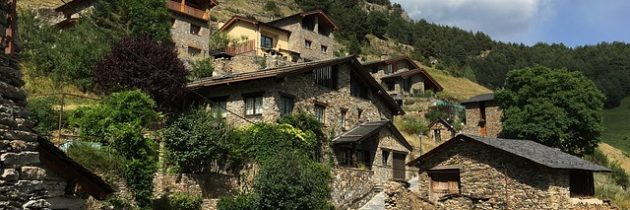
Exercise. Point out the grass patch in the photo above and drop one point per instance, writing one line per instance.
(617, 128)
(459, 88)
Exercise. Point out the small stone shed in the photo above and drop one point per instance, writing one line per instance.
(483, 116)
(492, 173)
(440, 130)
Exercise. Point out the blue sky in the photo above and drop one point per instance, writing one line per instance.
(572, 22)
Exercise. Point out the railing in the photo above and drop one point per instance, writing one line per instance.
(188, 10)
(240, 48)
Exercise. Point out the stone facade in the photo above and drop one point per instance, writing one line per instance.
(306, 94)
(320, 36)
(351, 186)
(440, 132)
(185, 39)
(402, 78)
(247, 62)
(496, 180)
(352, 182)
(491, 126)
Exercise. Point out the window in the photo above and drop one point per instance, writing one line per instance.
(482, 112)
(308, 23)
(385, 158)
(390, 69)
(320, 113)
(195, 29)
(345, 158)
(324, 49)
(359, 113)
(286, 105)
(407, 85)
(218, 107)
(342, 119)
(266, 42)
(390, 86)
(444, 182)
(326, 76)
(253, 104)
(307, 44)
(193, 51)
(357, 89)
(437, 135)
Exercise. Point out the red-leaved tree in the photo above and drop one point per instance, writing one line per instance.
(141, 63)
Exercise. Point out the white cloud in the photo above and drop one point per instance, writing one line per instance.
(502, 19)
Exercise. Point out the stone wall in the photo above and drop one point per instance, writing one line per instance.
(445, 133)
(493, 122)
(300, 35)
(306, 94)
(180, 32)
(398, 197)
(350, 186)
(24, 182)
(247, 62)
(496, 180)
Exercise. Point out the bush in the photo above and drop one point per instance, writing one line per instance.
(273, 8)
(97, 158)
(200, 69)
(146, 65)
(290, 180)
(414, 125)
(46, 119)
(241, 202)
(436, 113)
(196, 140)
(185, 201)
(132, 107)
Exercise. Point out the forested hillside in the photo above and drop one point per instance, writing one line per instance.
(474, 54)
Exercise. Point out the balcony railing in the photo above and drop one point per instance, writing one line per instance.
(188, 10)
(241, 48)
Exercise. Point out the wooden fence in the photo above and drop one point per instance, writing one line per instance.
(240, 48)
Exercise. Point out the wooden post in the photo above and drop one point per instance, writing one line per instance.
(63, 96)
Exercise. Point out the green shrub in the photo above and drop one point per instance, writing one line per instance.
(200, 69)
(97, 158)
(218, 41)
(290, 180)
(273, 8)
(185, 201)
(196, 140)
(436, 113)
(619, 176)
(414, 125)
(133, 107)
(46, 119)
(241, 202)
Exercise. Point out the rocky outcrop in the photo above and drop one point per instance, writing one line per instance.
(398, 197)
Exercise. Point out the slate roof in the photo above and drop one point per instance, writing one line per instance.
(480, 98)
(444, 122)
(530, 150)
(317, 12)
(296, 69)
(368, 129)
(57, 161)
(405, 74)
(237, 18)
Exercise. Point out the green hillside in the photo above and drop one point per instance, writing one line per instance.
(617, 126)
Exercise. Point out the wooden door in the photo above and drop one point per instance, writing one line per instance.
(399, 166)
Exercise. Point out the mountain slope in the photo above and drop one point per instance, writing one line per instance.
(617, 128)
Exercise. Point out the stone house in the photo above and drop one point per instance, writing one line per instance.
(261, 38)
(189, 18)
(368, 149)
(483, 116)
(473, 172)
(440, 130)
(256, 45)
(402, 77)
(312, 34)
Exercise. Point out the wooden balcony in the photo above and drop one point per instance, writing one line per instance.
(188, 10)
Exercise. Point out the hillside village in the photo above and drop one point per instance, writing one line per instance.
(274, 112)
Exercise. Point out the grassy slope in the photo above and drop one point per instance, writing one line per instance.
(38, 4)
(617, 126)
(229, 8)
(457, 87)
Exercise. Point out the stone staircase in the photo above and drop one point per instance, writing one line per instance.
(376, 203)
